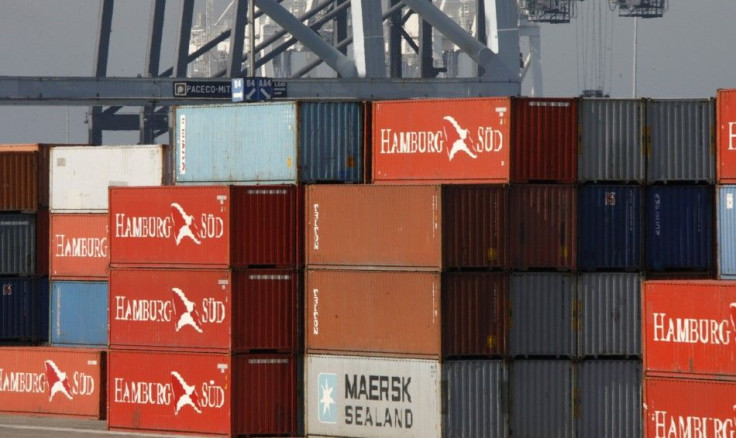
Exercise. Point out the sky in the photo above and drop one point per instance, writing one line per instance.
(687, 53)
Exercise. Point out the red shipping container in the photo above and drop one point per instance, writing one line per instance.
(726, 136)
(223, 226)
(689, 326)
(53, 381)
(543, 226)
(213, 394)
(689, 408)
(441, 141)
(78, 246)
(205, 310)
(24, 177)
(544, 140)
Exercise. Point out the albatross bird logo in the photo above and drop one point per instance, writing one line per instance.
(458, 137)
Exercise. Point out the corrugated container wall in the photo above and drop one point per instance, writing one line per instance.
(610, 227)
(541, 314)
(726, 231)
(544, 140)
(331, 142)
(541, 398)
(79, 246)
(679, 228)
(423, 227)
(24, 177)
(79, 314)
(611, 140)
(609, 314)
(543, 226)
(476, 396)
(19, 252)
(681, 140)
(726, 136)
(81, 175)
(609, 398)
(24, 309)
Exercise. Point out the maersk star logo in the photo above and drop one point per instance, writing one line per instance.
(327, 410)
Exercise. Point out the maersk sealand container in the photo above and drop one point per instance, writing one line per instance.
(270, 143)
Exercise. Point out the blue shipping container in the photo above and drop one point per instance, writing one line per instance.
(79, 314)
(726, 232)
(610, 222)
(24, 309)
(679, 228)
(17, 244)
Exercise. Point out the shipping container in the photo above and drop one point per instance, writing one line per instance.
(681, 140)
(726, 136)
(422, 227)
(406, 313)
(543, 226)
(611, 222)
(609, 314)
(24, 177)
(687, 408)
(226, 311)
(726, 231)
(611, 140)
(78, 246)
(689, 326)
(224, 226)
(24, 243)
(441, 141)
(541, 314)
(544, 140)
(79, 314)
(608, 394)
(81, 175)
(193, 393)
(55, 381)
(24, 309)
(679, 228)
(541, 398)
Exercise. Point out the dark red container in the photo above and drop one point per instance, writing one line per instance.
(543, 226)
(53, 381)
(205, 310)
(24, 177)
(544, 140)
(222, 226)
(79, 246)
(210, 394)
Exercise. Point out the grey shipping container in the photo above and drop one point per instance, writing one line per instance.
(608, 314)
(541, 314)
(681, 140)
(18, 246)
(726, 231)
(611, 140)
(541, 398)
(609, 398)
(24, 309)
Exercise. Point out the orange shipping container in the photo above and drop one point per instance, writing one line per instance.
(79, 246)
(24, 177)
(726, 136)
(399, 313)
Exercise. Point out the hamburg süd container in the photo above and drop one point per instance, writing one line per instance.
(223, 226)
(24, 243)
(210, 310)
(541, 320)
(441, 141)
(211, 394)
(416, 314)
(726, 231)
(477, 399)
(612, 144)
(423, 227)
(679, 228)
(80, 175)
(270, 143)
(79, 315)
(24, 309)
(726, 136)
(681, 140)
(543, 226)
(544, 140)
(68, 382)
(688, 407)
(689, 326)
(79, 246)
(24, 177)
(610, 227)
(541, 394)
(609, 314)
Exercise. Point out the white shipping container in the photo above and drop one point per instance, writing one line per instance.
(80, 175)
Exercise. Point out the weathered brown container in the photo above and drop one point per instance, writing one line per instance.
(423, 227)
(24, 177)
(543, 226)
(410, 314)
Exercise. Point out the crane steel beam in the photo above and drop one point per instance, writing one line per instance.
(368, 49)
(185, 34)
(94, 134)
(236, 39)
